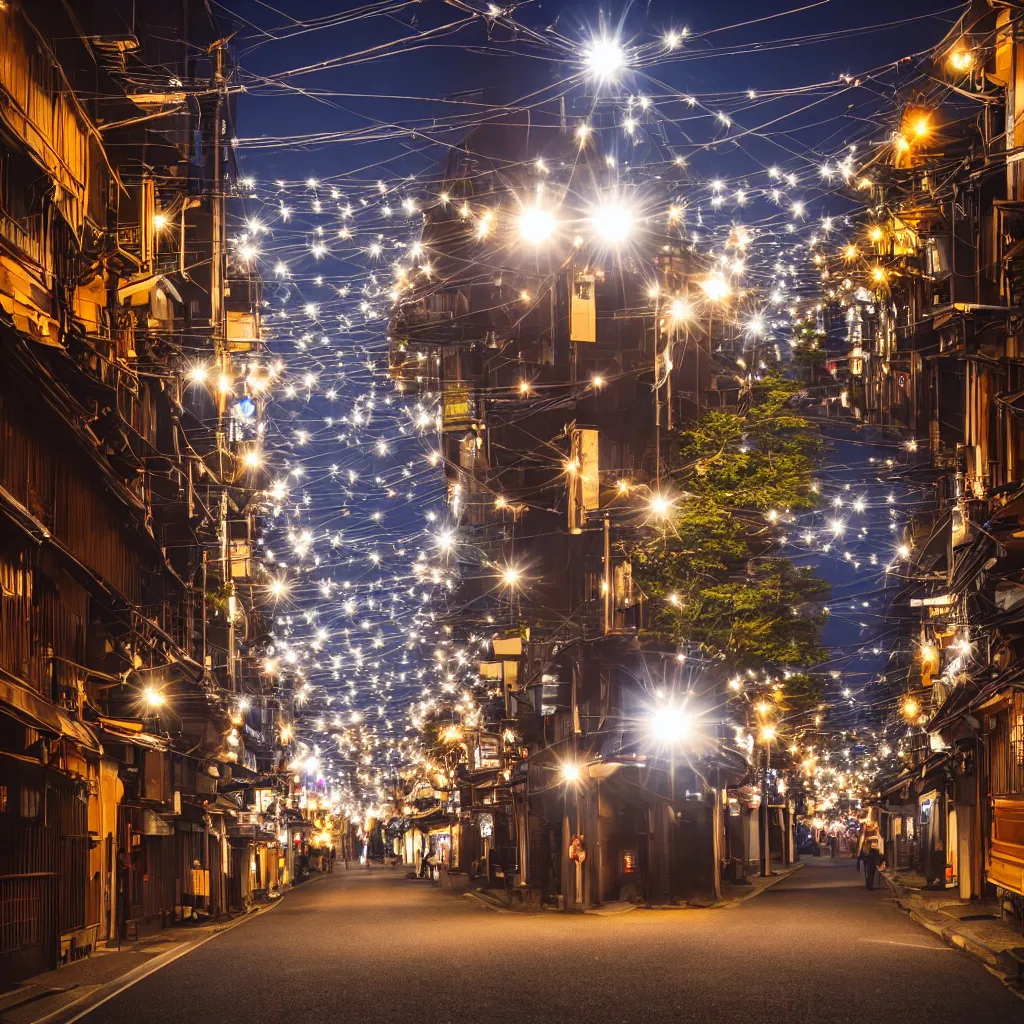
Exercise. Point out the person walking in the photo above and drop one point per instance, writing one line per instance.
(872, 862)
(833, 845)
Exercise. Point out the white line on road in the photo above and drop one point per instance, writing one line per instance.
(143, 971)
(912, 945)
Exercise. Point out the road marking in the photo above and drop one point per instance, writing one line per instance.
(137, 974)
(912, 945)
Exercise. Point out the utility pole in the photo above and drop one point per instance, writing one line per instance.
(766, 849)
(607, 575)
(657, 403)
(221, 347)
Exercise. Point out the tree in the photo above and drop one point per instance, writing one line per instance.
(715, 572)
(807, 351)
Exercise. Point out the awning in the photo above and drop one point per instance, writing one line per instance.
(32, 710)
(142, 284)
(113, 730)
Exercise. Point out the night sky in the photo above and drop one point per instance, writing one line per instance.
(355, 146)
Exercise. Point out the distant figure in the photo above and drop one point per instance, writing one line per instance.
(872, 861)
(331, 859)
(833, 845)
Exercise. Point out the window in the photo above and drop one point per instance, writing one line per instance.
(31, 801)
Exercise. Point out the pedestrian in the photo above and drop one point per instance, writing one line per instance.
(330, 860)
(833, 845)
(872, 862)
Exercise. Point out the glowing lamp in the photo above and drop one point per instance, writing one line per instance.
(536, 225)
(680, 309)
(716, 288)
(570, 772)
(660, 505)
(612, 223)
(671, 724)
(153, 697)
(604, 58)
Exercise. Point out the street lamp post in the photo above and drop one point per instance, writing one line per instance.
(767, 735)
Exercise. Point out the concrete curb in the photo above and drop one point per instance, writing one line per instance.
(97, 995)
(780, 877)
(612, 911)
(620, 909)
(991, 959)
(487, 904)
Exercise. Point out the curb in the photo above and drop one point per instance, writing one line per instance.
(736, 901)
(488, 905)
(101, 994)
(598, 912)
(989, 958)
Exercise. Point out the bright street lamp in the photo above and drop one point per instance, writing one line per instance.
(716, 288)
(660, 505)
(680, 309)
(671, 724)
(612, 222)
(536, 225)
(604, 58)
(510, 576)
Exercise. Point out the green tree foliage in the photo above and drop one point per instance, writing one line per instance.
(715, 571)
(807, 351)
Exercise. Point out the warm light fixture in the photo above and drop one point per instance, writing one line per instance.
(961, 60)
(671, 724)
(612, 222)
(604, 58)
(715, 287)
(680, 309)
(536, 225)
(153, 697)
(660, 505)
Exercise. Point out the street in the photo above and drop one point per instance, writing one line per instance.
(361, 946)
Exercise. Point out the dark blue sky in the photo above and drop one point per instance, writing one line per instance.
(366, 494)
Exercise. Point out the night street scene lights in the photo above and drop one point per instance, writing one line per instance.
(604, 58)
(536, 225)
(502, 461)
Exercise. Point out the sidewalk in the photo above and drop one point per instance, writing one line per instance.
(732, 896)
(974, 926)
(61, 995)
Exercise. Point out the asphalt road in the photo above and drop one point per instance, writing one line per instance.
(377, 948)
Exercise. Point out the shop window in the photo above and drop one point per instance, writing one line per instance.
(628, 861)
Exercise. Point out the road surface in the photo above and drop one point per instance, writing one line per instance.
(377, 948)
